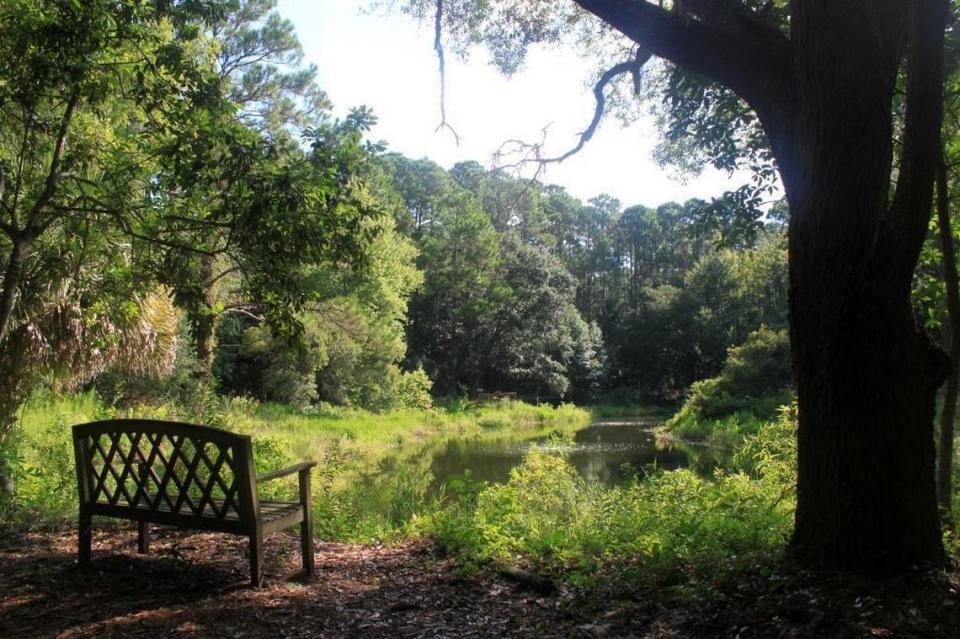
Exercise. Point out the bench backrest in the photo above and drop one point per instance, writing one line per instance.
(166, 472)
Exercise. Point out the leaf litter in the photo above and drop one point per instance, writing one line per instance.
(196, 585)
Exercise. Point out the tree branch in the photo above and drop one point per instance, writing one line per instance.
(221, 275)
(904, 227)
(53, 173)
(742, 58)
(730, 16)
(730, 45)
(631, 66)
(27, 121)
(438, 47)
(519, 146)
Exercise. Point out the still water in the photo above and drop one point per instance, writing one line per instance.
(605, 452)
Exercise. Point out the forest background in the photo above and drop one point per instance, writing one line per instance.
(189, 232)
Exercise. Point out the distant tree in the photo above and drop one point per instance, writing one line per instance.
(245, 139)
(532, 338)
(496, 310)
(460, 252)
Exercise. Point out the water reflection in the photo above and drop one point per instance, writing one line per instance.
(607, 452)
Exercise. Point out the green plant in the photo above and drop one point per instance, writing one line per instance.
(754, 383)
(666, 526)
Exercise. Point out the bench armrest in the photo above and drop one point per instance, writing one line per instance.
(296, 468)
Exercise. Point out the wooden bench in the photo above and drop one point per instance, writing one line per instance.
(497, 396)
(183, 475)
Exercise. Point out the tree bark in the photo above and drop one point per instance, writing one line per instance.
(205, 318)
(866, 374)
(11, 286)
(949, 412)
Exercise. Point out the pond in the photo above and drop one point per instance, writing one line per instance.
(606, 452)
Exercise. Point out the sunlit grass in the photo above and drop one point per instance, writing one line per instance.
(374, 472)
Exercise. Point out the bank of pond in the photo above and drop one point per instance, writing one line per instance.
(558, 486)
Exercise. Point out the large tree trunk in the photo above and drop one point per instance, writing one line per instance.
(866, 382)
(866, 374)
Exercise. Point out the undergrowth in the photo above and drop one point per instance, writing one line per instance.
(374, 483)
(372, 478)
(668, 526)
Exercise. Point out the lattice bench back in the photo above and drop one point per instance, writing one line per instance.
(166, 472)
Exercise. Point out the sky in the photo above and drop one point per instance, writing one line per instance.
(387, 62)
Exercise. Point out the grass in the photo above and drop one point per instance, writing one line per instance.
(374, 483)
(373, 478)
(646, 412)
(725, 432)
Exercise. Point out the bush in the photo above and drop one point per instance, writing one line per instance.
(754, 383)
(670, 525)
(400, 390)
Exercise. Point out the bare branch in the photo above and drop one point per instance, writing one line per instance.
(731, 45)
(632, 67)
(243, 311)
(438, 47)
(221, 275)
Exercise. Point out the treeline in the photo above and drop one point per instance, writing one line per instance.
(480, 282)
(181, 214)
(529, 289)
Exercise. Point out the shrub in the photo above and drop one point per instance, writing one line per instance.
(671, 524)
(754, 383)
(411, 389)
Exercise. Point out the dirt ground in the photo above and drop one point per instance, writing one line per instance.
(195, 585)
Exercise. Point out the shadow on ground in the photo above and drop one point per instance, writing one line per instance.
(195, 585)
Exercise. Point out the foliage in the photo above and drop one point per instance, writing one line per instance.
(411, 389)
(367, 487)
(497, 310)
(80, 86)
(755, 380)
(680, 333)
(351, 339)
(557, 297)
(671, 525)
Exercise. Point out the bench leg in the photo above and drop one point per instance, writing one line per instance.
(256, 561)
(143, 537)
(306, 546)
(84, 539)
(306, 526)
